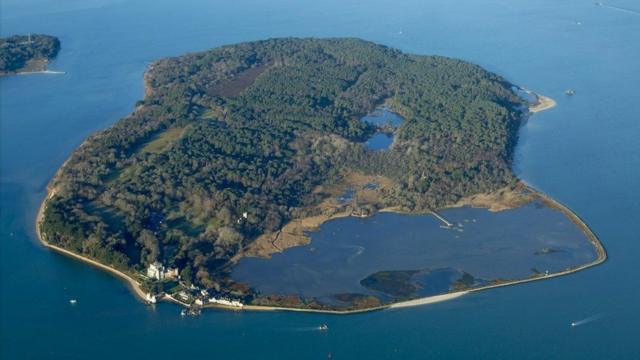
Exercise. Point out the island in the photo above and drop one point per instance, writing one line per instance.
(24, 54)
(240, 155)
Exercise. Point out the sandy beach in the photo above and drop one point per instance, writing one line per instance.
(543, 103)
(428, 300)
(51, 72)
(133, 284)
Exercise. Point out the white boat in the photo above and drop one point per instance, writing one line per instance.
(73, 301)
(574, 324)
(191, 311)
(323, 327)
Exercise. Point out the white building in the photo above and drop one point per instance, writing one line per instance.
(151, 298)
(183, 295)
(245, 215)
(234, 303)
(156, 271)
(171, 273)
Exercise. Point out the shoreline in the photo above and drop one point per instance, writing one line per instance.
(432, 299)
(428, 300)
(544, 103)
(132, 283)
(33, 67)
(50, 72)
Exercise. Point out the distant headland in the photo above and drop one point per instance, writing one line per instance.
(27, 54)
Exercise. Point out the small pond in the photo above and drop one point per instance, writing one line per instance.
(382, 117)
(379, 141)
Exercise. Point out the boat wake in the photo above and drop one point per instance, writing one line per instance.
(586, 321)
(628, 11)
(310, 328)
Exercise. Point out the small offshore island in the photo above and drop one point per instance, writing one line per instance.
(245, 153)
(27, 54)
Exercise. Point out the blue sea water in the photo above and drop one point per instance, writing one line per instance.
(585, 153)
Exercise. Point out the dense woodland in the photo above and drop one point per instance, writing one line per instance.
(16, 51)
(254, 128)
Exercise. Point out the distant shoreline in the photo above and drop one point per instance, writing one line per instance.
(33, 67)
(544, 103)
(133, 284)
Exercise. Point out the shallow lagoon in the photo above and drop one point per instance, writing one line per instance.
(505, 245)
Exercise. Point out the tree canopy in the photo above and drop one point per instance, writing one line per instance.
(230, 143)
(17, 51)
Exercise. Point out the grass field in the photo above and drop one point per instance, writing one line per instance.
(162, 140)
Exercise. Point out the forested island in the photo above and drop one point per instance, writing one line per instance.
(239, 150)
(27, 53)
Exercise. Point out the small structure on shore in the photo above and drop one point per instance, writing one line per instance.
(150, 298)
(171, 273)
(191, 311)
(156, 271)
(184, 296)
(447, 223)
(234, 303)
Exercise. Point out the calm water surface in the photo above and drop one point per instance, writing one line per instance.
(379, 141)
(585, 153)
(489, 246)
(382, 117)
